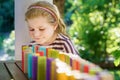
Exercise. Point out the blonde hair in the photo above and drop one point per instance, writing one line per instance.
(50, 11)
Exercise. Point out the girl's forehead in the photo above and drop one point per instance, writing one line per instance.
(38, 22)
(43, 18)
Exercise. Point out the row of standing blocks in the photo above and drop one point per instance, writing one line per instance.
(41, 63)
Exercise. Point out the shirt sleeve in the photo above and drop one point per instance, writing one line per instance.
(69, 47)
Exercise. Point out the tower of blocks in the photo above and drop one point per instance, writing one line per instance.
(41, 63)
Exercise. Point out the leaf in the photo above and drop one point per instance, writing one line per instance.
(117, 62)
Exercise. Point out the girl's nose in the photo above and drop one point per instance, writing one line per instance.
(36, 33)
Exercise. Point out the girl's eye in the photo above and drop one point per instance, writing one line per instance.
(41, 29)
(31, 29)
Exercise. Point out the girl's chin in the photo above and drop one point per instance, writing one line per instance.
(38, 42)
(42, 43)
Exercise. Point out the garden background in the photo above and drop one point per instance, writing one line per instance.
(93, 25)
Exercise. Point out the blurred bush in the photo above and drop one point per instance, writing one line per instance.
(6, 26)
(94, 24)
(9, 44)
(6, 16)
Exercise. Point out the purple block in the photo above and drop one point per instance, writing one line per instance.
(71, 62)
(48, 70)
(34, 67)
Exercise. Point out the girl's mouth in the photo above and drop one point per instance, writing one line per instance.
(37, 38)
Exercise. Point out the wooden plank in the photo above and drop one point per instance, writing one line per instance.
(4, 74)
(15, 71)
(19, 64)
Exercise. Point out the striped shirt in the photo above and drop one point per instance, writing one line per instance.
(64, 44)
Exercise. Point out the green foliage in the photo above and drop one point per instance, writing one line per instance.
(116, 74)
(113, 44)
(9, 43)
(6, 15)
(6, 26)
(1, 41)
(92, 22)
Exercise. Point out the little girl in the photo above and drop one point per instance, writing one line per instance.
(46, 27)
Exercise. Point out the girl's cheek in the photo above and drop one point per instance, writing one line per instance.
(31, 34)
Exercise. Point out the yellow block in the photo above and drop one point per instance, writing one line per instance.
(62, 76)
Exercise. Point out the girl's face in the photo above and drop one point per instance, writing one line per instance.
(41, 31)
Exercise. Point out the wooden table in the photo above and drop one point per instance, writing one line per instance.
(12, 71)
